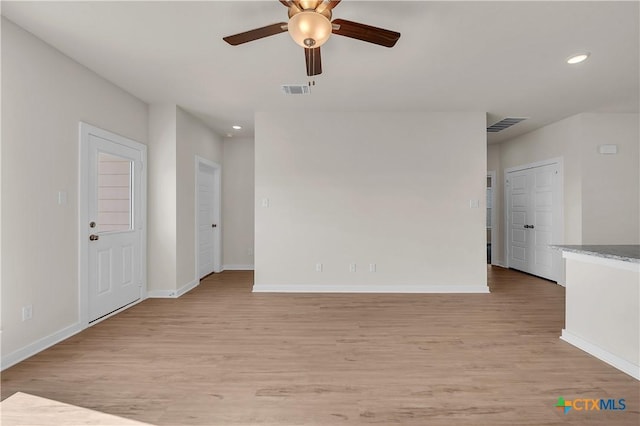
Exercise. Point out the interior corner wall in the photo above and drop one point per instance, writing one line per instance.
(193, 138)
(610, 183)
(238, 203)
(394, 189)
(45, 95)
(161, 203)
(560, 139)
(601, 192)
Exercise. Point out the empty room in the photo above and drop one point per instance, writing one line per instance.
(320, 212)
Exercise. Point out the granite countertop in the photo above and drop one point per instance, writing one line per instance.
(628, 253)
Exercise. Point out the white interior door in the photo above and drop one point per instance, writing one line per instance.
(543, 185)
(114, 221)
(534, 219)
(207, 221)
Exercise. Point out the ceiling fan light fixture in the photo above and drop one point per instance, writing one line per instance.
(309, 29)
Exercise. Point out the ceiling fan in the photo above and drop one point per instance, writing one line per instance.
(310, 26)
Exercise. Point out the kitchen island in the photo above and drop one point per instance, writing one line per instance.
(602, 315)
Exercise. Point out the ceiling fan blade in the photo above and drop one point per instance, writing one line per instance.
(256, 34)
(366, 33)
(314, 63)
(287, 3)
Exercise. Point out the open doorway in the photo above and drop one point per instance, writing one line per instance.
(491, 234)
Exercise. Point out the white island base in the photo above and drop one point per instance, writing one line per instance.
(603, 308)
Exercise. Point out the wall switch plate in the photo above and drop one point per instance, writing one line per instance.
(62, 198)
(372, 267)
(318, 267)
(265, 202)
(27, 312)
(250, 252)
(352, 267)
(474, 204)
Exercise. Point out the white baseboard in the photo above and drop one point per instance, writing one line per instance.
(187, 287)
(499, 263)
(237, 267)
(602, 354)
(39, 345)
(352, 288)
(173, 294)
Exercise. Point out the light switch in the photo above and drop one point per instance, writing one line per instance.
(265, 202)
(474, 204)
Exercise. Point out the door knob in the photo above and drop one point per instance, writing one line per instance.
(526, 226)
(214, 225)
(94, 237)
(531, 226)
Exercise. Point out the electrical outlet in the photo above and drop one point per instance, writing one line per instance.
(352, 267)
(27, 312)
(372, 267)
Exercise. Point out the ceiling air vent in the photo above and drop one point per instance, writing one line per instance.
(505, 123)
(296, 89)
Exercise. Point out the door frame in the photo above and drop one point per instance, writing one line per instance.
(558, 237)
(217, 215)
(494, 215)
(85, 130)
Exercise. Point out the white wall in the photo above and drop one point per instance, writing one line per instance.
(44, 96)
(176, 137)
(161, 206)
(386, 188)
(610, 183)
(238, 203)
(192, 138)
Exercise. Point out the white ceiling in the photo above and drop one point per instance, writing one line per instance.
(504, 58)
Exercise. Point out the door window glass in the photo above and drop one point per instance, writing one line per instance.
(114, 193)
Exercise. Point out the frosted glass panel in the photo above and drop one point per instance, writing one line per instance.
(114, 193)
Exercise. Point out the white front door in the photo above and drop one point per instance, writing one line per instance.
(207, 224)
(534, 220)
(114, 220)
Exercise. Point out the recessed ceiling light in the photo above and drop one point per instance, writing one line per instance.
(229, 135)
(236, 127)
(577, 58)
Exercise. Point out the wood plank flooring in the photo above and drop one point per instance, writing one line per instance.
(24, 409)
(221, 355)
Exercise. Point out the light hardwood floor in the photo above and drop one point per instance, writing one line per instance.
(221, 355)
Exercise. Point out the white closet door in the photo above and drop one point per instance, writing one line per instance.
(534, 220)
